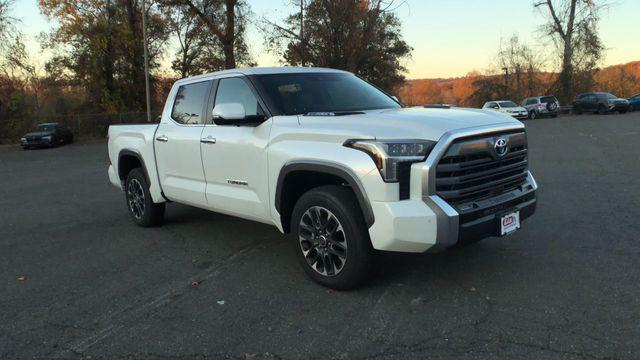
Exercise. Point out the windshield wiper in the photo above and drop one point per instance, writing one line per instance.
(333, 113)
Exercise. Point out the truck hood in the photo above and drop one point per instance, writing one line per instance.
(405, 123)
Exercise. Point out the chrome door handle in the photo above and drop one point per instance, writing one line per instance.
(208, 140)
(162, 138)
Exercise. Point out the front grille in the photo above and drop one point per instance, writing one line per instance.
(471, 170)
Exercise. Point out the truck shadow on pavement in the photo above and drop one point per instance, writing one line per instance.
(218, 233)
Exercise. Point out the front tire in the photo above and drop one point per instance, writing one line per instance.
(533, 115)
(602, 110)
(331, 238)
(142, 209)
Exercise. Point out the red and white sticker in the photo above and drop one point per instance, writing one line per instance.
(510, 223)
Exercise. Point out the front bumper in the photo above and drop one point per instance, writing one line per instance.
(433, 225)
(619, 107)
(36, 142)
(428, 223)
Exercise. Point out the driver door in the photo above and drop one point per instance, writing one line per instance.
(234, 156)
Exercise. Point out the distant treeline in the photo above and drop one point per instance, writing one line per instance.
(474, 89)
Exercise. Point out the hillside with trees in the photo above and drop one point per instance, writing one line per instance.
(474, 89)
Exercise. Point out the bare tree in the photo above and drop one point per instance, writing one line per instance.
(522, 69)
(572, 24)
(223, 18)
(7, 24)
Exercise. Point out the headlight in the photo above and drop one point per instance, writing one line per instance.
(387, 154)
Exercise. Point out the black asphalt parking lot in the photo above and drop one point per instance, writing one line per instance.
(80, 280)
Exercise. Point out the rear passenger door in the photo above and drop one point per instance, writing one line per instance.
(177, 145)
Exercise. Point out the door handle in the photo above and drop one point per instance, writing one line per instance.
(208, 140)
(162, 138)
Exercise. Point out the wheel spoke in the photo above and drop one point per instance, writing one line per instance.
(329, 263)
(306, 227)
(337, 250)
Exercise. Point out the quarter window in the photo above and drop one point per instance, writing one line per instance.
(235, 90)
(187, 108)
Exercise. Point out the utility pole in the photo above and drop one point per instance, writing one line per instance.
(506, 81)
(146, 59)
(302, 33)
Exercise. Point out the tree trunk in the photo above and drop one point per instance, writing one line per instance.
(230, 35)
(566, 75)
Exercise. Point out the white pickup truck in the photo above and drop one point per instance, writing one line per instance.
(330, 159)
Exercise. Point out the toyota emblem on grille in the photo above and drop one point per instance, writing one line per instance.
(501, 147)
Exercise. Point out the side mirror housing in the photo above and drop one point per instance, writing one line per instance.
(229, 111)
(234, 114)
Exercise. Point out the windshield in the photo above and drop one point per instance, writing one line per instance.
(507, 104)
(46, 128)
(302, 93)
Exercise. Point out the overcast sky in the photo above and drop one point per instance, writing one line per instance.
(449, 38)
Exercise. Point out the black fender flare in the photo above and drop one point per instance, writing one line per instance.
(332, 169)
(135, 154)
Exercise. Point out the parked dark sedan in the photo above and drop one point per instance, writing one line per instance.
(634, 101)
(50, 134)
(600, 103)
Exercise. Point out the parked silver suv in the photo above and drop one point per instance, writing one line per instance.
(541, 106)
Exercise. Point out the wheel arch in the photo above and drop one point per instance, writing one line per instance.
(295, 178)
(129, 160)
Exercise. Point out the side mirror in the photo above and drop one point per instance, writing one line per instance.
(234, 114)
(229, 111)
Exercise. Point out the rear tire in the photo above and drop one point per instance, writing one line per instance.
(142, 209)
(331, 238)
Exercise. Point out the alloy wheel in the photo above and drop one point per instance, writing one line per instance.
(323, 241)
(135, 197)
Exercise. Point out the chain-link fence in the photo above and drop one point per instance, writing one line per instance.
(82, 125)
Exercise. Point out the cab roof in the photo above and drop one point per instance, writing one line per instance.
(263, 71)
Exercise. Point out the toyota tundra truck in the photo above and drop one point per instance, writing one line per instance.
(337, 164)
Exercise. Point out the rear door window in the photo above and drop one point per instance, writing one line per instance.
(189, 104)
